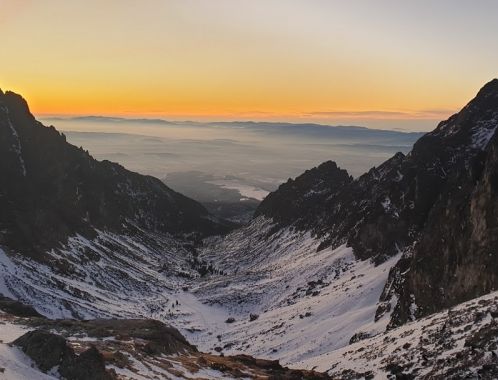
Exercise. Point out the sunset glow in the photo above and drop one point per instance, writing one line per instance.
(326, 61)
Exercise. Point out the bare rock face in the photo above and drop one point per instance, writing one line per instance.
(159, 337)
(295, 202)
(456, 257)
(46, 349)
(438, 206)
(88, 365)
(50, 190)
(51, 351)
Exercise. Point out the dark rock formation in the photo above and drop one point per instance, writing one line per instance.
(50, 190)
(46, 349)
(147, 341)
(456, 256)
(89, 365)
(159, 337)
(50, 351)
(297, 201)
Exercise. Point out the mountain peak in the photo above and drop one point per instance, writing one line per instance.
(16, 103)
(485, 100)
(489, 88)
(472, 127)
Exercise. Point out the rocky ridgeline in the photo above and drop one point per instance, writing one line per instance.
(438, 205)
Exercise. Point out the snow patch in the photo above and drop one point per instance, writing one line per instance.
(483, 132)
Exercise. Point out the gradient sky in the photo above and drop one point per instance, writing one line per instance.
(368, 62)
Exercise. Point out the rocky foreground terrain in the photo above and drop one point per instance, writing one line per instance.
(33, 347)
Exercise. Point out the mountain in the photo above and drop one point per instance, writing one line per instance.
(330, 260)
(376, 276)
(52, 190)
(437, 205)
(84, 239)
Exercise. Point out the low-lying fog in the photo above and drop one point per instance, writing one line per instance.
(230, 162)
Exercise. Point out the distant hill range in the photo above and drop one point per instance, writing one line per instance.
(309, 129)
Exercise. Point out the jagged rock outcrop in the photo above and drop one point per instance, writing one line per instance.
(297, 202)
(51, 352)
(157, 337)
(456, 256)
(50, 190)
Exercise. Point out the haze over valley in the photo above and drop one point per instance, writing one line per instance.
(229, 166)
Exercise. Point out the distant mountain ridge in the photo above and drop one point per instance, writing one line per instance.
(270, 127)
(110, 119)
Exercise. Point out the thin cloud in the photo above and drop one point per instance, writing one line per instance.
(374, 114)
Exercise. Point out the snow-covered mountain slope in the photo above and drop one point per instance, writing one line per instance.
(303, 302)
(458, 343)
(109, 276)
(329, 261)
(424, 224)
(306, 302)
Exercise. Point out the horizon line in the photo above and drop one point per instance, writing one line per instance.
(156, 120)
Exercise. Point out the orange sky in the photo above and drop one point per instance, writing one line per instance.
(309, 60)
